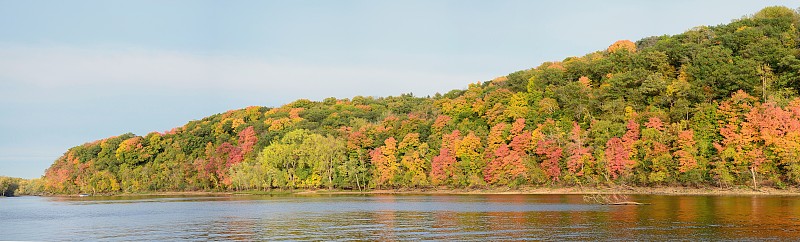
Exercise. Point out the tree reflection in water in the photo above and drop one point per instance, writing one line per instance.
(401, 217)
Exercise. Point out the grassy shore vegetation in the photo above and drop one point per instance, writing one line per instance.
(716, 106)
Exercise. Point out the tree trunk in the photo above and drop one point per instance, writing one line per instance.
(330, 174)
(357, 182)
(753, 174)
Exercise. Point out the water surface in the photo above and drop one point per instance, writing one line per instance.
(398, 217)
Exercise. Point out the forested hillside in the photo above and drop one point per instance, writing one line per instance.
(714, 106)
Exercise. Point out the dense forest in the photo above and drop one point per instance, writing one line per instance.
(714, 106)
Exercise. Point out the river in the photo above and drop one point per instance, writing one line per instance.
(397, 217)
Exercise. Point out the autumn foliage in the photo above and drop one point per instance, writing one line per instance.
(714, 106)
(552, 153)
(622, 45)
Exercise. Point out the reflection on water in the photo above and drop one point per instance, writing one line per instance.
(397, 217)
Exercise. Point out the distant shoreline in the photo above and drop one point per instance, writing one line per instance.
(675, 191)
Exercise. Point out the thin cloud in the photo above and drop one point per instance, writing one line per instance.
(58, 67)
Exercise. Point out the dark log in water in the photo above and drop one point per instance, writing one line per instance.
(628, 203)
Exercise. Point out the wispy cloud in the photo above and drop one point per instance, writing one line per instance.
(58, 67)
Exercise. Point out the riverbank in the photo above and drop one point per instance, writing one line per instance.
(578, 191)
(766, 191)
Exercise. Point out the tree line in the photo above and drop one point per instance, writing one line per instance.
(12, 186)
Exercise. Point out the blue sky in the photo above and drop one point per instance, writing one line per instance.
(77, 71)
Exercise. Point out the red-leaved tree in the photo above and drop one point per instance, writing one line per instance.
(552, 153)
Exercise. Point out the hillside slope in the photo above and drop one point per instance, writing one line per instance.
(716, 105)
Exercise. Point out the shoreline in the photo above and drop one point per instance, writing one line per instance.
(667, 191)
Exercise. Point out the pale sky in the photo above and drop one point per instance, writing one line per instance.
(77, 71)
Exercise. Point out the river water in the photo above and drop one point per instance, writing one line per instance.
(398, 217)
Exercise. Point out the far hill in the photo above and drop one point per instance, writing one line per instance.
(714, 106)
